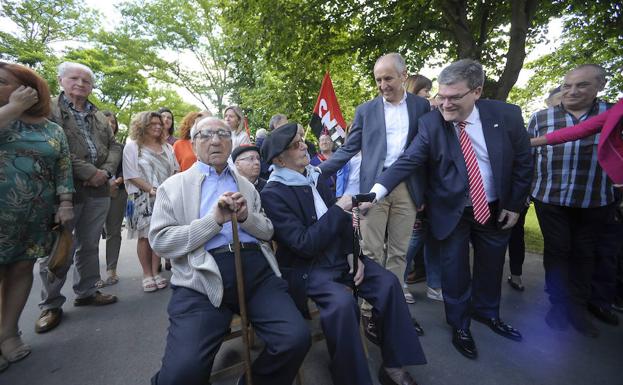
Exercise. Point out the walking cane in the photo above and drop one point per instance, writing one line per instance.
(241, 299)
(357, 254)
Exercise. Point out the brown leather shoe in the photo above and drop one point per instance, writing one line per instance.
(48, 320)
(97, 299)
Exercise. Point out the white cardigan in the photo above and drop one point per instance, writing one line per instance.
(177, 232)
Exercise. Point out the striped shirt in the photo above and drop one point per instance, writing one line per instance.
(81, 121)
(568, 174)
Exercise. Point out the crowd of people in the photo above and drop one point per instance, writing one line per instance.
(453, 176)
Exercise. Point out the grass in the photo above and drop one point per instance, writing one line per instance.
(533, 236)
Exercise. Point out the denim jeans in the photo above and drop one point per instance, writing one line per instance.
(432, 260)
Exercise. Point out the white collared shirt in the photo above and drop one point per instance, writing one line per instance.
(473, 128)
(396, 129)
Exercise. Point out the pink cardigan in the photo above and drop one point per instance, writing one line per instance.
(610, 146)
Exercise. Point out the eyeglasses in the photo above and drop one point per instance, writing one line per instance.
(207, 134)
(252, 158)
(295, 145)
(452, 99)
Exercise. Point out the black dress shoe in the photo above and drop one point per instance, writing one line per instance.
(404, 378)
(464, 343)
(515, 285)
(418, 328)
(499, 327)
(578, 318)
(604, 314)
(370, 330)
(556, 318)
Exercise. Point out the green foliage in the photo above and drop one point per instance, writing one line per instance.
(533, 236)
(189, 36)
(592, 33)
(41, 23)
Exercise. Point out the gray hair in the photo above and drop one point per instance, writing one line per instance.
(601, 72)
(207, 121)
(68, 65)
(397, 59)
(261, 133)
(463, 70)
(275, 119)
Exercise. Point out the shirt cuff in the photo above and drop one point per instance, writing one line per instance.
(379, 190)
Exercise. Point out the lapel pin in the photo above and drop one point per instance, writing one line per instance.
(495, 125)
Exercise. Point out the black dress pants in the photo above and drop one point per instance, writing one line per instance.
(570, 236)
(517, 245)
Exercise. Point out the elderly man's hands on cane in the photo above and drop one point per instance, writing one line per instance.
(231, 202)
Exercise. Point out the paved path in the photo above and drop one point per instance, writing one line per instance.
(122, 344)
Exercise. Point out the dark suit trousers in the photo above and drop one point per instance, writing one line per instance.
(339, 317)
(197, 328)
(609, 244)
(570, 237)
(479, 292)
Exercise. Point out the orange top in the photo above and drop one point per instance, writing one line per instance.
(184, 154)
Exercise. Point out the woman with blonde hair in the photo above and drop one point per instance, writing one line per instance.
(148, 161)
(234, 117)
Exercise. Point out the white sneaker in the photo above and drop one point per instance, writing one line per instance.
(434, 294)
(409, 298)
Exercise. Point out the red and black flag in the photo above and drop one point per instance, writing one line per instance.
(327, 115)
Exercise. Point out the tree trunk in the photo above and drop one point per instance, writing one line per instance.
(521, 17)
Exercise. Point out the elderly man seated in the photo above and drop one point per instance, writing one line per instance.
(191, 225)
(247, 161)
(314, 237)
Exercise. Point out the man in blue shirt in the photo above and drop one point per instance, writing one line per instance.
(190, 227)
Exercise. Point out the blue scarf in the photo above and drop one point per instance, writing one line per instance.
(293, 178)
(290, 177)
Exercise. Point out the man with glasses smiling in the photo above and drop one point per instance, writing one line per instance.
(478, 171)
(190, 226)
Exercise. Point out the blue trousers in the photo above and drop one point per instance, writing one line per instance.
(197, 328)
(432, 260)
(464, 292)
(339, 317)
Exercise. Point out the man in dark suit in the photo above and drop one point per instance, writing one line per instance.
(478, 171)
(314, 237)
(381, 130)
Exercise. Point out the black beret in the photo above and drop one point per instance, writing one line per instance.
(278, 141)
(241, 150)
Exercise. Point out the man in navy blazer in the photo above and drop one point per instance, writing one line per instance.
(314, 237)
(476, 157)
(382, 129)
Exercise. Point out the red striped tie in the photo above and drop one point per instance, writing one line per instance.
(476, 188)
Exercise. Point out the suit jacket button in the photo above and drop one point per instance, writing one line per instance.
(313, 217)
(304, 276)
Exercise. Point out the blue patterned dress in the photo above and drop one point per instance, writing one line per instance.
(34, 168)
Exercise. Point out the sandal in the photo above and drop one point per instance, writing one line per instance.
(14, 349)
(112, 279)
(149, 284)
(161, 283)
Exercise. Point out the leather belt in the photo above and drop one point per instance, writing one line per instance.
(229, 248)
